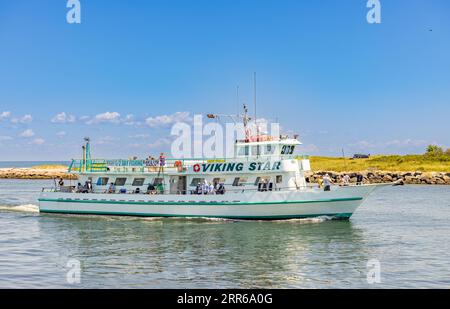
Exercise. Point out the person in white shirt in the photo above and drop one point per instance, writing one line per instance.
(346, 180)
(205, 187)
(326, 182)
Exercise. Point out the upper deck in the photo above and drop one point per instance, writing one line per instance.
(171, 166)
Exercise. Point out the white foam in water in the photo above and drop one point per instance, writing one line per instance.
(309, 220)
(21, 208)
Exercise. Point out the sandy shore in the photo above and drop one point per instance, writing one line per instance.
(35, 173)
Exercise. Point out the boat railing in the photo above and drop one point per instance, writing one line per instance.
(73, 189)
(148, 165)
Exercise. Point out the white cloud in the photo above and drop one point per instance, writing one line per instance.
(4, 115)
(24, 119)
(409, 142)
(63, 118)
(160, 143)
(310, 148)
(27, 133)
(405, 143)
(111, 117)
(5, 138)
(38, 141)
(167, 120)
(139, 136)
(128, 120)
(107, 140)
(363, 145)
(61, 134)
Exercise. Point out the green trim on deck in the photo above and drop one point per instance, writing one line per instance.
(198, 203)
(279, 217)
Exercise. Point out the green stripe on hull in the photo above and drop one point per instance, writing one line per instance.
(279, 217)
(199, 203)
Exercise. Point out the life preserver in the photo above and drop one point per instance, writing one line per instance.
(196, 168)
(179, 165)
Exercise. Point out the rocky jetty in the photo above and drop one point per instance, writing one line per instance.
(426, 178)
(430, 178)
(35, 173)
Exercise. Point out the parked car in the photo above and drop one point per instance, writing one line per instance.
(361, 156)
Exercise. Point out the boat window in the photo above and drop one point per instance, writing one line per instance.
(256, 150)
(196, 181)
(102, 181)
(158, 181)
(137, 182)
(263, 179)
(218, 180)
(270, 149)
(239, 181)
(243, 151)
(279, 178)
(120, 182)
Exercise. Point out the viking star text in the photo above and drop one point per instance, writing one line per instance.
(238, 167)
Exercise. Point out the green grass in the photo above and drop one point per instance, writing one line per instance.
(393, 163)
(49, 167)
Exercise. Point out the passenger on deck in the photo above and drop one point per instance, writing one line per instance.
(211, 189)
(326, 182)
(221, 189)
(61, 182)
(112, 188)
(346, 180)
(205, 187)
(270, 186)
(162, 162)
(153, 162)
(320, 183)
(151, 189)
(89, 187)
(80, 188)
(359, 179)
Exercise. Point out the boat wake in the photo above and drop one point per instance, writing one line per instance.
(20, 208)
(308, 220)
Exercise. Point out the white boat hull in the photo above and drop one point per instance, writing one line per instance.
(340, 203)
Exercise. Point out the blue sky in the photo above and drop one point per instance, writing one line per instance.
(131, 68)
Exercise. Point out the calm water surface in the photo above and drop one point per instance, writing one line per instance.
(407, 229)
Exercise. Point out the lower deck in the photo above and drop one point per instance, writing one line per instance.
(340, 202)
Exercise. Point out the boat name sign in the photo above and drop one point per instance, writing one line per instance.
(236, 167)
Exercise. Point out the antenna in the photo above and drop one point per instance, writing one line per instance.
(254, 99)
(237, 99)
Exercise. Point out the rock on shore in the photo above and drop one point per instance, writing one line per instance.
(430, 178)
(35, 173)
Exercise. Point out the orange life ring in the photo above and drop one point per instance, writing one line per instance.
(179, 166)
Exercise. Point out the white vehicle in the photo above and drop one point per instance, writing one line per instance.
(262, 181)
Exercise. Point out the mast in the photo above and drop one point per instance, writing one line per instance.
(256, 119)
(86, 154)
(254, 100)
(245, 120)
